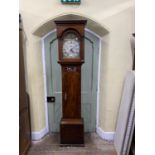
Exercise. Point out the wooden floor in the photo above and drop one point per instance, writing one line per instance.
(94, 145)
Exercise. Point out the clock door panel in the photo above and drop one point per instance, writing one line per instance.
(71, 89)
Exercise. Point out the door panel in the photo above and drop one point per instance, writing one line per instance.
(88, 82)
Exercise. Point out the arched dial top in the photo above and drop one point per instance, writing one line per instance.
(71, 46)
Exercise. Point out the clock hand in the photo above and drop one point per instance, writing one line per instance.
(72, 50)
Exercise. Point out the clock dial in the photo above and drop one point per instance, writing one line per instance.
(71, 46)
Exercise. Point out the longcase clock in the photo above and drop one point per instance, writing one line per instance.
(70, 36)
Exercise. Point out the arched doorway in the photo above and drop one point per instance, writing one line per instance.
(47, 27)
(89, 83)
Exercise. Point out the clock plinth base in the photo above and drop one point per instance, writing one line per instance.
(71, 131)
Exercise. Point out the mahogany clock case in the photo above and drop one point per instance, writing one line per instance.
(71, 125)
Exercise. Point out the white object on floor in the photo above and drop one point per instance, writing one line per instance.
(126, 116)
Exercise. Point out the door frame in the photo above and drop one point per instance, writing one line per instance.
(45, 82)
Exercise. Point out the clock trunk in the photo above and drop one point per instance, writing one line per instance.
(71, 88)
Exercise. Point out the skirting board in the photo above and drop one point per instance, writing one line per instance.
(39, 134)
(105, 135)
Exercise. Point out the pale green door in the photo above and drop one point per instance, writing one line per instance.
(88, 83)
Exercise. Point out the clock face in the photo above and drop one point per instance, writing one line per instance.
(71, 46)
